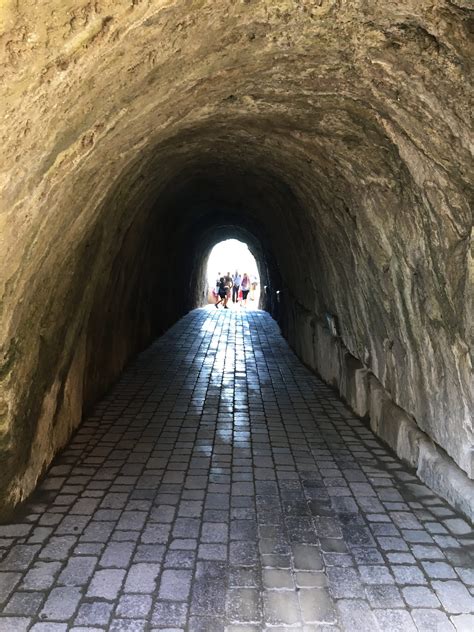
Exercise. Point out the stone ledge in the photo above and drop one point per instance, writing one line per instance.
(367, 397)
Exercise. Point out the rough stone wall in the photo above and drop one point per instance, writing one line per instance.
(336, 132)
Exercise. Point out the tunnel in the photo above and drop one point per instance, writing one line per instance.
(332, 137)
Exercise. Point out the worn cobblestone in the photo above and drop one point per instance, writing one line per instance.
(222, 486)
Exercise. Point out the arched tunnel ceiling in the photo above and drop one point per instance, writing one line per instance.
(336, 133)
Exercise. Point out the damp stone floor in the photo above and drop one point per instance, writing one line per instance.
(222, 487)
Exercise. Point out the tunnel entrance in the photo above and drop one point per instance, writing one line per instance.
(234, 258)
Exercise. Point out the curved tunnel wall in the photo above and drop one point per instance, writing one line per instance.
(337, 134)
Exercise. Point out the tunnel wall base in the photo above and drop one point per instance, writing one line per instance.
(366, 396)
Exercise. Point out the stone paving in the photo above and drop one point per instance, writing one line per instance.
(221, 487)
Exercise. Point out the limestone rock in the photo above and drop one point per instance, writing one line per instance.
(333, 136)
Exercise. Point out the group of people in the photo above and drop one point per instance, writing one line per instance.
(238, 286)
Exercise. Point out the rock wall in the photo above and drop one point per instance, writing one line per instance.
(135, 132)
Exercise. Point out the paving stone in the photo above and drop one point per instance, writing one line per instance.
(24, 603)
(395, 620)
(40, 535)
(417, 537)
(428, 620)
(454, 596)
(189, 509)
(134, 606)
(243, 605)
(463, 622)
(141, 578)
(401, 558)
(132, 520)
(209, 590)
(281, 607)
(180, 559)
(14, 624)
(117, 555)
(405, 520)
(420, 597)
(457, 526)
(13, 530)
(278, 578)
(356, 616)
(175, 585)
(106, 584)
(375, 575)
(466, 575)
(19, 558)
(170, 613)
(205, 624)
(384, 596)
(94, 613)
(85, 506)
(61, 604)
(78, 571)
(439, 570)
(149, 553)
(214, 532)
(427, 552)
(40, 577)
(212, 552)
(245, 576)
(317, 606)
(58, 548)
(97, 532)
(344, 583)
(408, 575)
(186, 528)
(89, 548)
(305, 579)
(358, 535)
(8, 581)
(392, 544)
(306, 558)
(242, 553)
(243, 530)
(367, 555)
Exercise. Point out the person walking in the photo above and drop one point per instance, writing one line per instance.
(245, 286)
(253, 287)
(215, 291)
(228, 283)
(222, 293)
(236, 280)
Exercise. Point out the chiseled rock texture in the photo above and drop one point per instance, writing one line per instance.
(334, 136)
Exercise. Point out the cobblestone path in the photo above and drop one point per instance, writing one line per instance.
(222, 487)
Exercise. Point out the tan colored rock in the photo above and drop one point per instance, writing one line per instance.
(136, 133)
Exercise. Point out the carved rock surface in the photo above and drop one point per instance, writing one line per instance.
(332, 136)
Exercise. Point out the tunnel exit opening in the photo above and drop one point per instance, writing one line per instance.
(232, 262)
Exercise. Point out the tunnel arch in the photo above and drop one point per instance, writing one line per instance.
(327, 132)
(267, 271)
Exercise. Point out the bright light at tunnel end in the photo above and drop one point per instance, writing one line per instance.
(228, 256)
(233, 256)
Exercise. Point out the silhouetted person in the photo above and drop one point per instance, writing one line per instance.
(215, 291)
(222, 292)
(236, 287)
(228, 282)
(253, 287)
(245, 285)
